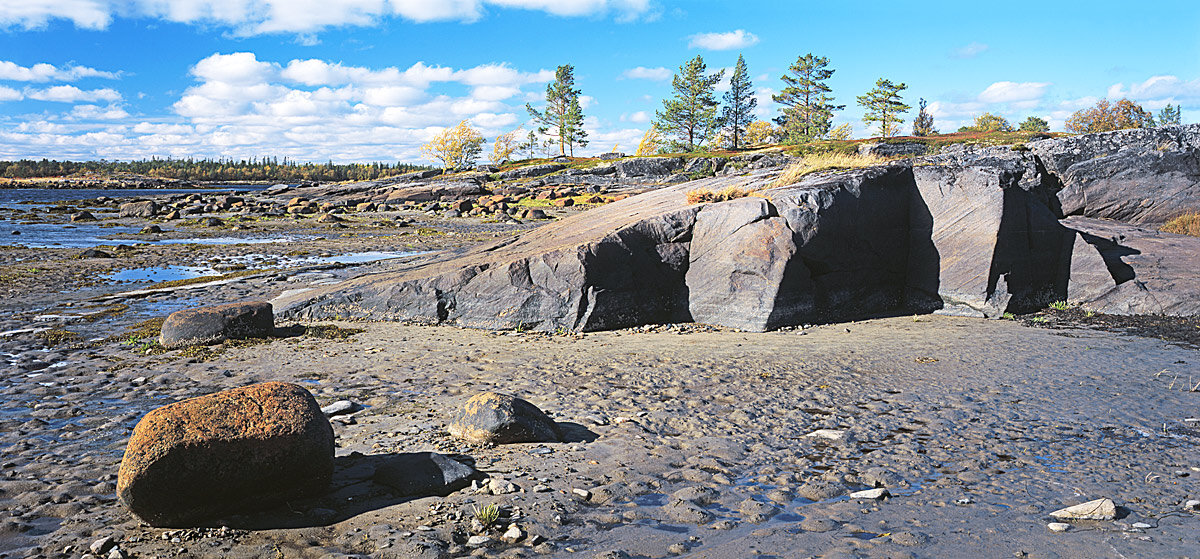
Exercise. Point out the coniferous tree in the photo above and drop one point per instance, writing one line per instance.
(923, 124)
(1169, 116)
(739, 103)
(808, 107)
(1034, 124)
(557, 120)
(884, 106)
(691, 115)
(574, 126)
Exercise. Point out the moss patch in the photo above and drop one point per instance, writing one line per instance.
(331, 332)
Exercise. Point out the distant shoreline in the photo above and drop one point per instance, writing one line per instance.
(124, 183)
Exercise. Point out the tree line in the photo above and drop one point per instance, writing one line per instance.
(693, 118)
(209, 170)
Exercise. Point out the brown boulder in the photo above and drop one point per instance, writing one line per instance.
(492, 417)
(224, 453)
(147, 208)
(213, 324)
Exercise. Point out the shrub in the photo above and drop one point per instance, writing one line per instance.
(815, 162)
(1186, 224)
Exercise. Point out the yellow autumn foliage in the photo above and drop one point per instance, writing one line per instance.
(454, 147)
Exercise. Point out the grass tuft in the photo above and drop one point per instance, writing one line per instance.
(702, 195)
(826, 161)
(1186, 224)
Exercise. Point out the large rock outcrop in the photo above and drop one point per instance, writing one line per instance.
(976, 231)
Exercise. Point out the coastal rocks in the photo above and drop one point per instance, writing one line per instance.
(94, 253)
(423, 474)
(82, 216)
(643, 166)
(531, 171)
(435, 191)
(495, 418)
(1099, 509)
(146, 208)
(1147, 175)
(205, 325)
(225, 452)
(902, 149)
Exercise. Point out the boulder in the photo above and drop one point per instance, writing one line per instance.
(648, 166)
(1099, 509)
(82, 216)
(94, 253)
(224, 453)
(423, 474)
(145, 208)
(151, 230)
(497, 418)
(214, 324)
(1146, 175)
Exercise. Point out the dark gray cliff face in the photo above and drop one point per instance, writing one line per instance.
(977, 232)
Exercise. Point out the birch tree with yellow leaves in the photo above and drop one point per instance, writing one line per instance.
(454, 147)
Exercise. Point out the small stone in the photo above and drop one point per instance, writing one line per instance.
(1099, 509)
(514, 534)
(828, 434)
(1058, 526)
(877, 493)
(1192, 504)
(582, 493)
(424, 528)
(540, 488)
(1141, 525)
(102, 545)
(479, 541)
(677, 549)
(340, 407)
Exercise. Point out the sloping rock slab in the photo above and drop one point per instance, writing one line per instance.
(1141, 176)
(435, 191)
(226, 452)
(1125, 269)
(213, 324)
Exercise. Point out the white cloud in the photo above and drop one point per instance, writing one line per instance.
(239, 68)
(10, 94)
(1010, 92)
(723, 41)
(642, 73)
(969, 51)
(72, 94)
(639, 117)
(251, 17)
(95, 112)
(48, 72)
(1161, 89)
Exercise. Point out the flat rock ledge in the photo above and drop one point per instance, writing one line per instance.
(976, 231)
(224, 453)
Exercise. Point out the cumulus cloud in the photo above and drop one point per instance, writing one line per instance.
(251, 17)
(43, 72)
(969, 51)
(639, 117)
(1010, 92)
(642, 73)
(10, 94)
(1160, 89)
(72, 94)
(723, 41)
(96, 112)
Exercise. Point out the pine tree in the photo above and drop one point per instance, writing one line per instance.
(1169, 116)
(739, 103)
(692, 114)
(808, 107)
(923, 124)
(557, 120)
(883, 106)
(1034, 124)
(574, 126)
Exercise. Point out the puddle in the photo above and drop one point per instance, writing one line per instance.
(160, 274)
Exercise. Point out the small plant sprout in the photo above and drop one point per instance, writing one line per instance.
(1060, 305)
(488, 515)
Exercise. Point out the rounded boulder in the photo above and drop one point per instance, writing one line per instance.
(224, 453)
(205, 325)
(492, 417)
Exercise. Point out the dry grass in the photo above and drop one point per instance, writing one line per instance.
(1186, 224)
(701, 195)
(815, 162)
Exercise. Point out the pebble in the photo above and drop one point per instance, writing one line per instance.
(1099, 509)
(514, 534)
(582, 493)
(1141, 525)
(479, 541)
(828, 434)
(340, 407)
(1192, 504)
(102, 545)
(540, 488)
(1058, 526)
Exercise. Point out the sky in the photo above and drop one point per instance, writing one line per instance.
(372, 80)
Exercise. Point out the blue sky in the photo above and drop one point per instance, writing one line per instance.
(371, 80)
